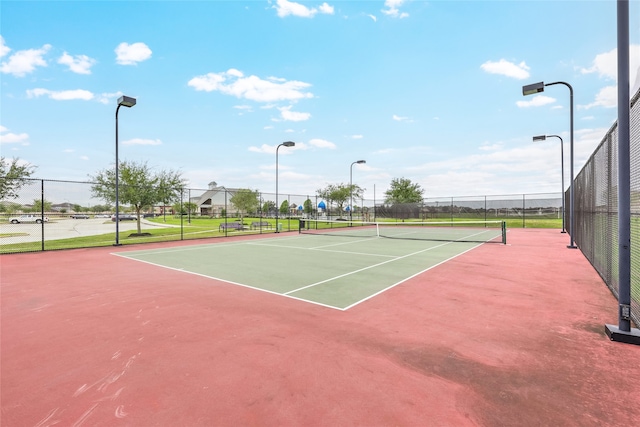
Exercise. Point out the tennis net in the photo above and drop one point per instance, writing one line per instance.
(449, 231)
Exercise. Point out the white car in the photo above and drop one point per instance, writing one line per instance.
(27, 218)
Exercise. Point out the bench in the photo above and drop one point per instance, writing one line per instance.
(260, 224)
(231, 225)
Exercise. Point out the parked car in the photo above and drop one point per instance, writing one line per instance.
(28, 219)
(102, 216)
(80, 216)
(124, 217)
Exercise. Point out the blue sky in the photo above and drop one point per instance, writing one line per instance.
(426, 90)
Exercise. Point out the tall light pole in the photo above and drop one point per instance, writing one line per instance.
(129, 102)
(351, 186)
(624, 332)
(543, 138)
(286, 144)
(537, 88)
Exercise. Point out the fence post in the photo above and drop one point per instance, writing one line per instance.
(42, 212)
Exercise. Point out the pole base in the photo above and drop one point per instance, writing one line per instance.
(572, 247)
(563, 232)
(117, 244)
(615, 334)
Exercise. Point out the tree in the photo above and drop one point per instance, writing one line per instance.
(139, 186)
(13, 176)
(340, 194)
(183, 209)
(246, 201)
(308, 206)
(39, 207)
(268, 207)
(284, 207)
(402, 190)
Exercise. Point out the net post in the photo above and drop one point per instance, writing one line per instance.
(504, 232)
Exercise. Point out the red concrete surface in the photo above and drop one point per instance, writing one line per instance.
(500, 336)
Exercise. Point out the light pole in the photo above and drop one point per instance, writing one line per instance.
(286, 144)
(543, 138)
(129, 102)
(537, 88)
(351, 186)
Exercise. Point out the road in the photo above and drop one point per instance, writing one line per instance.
(65, 228)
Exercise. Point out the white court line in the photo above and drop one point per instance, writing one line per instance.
(226, 281)
(408, 278)
(324, 250)
(367, 268)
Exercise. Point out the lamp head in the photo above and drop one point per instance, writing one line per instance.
(126, 101)
(540, 138)
(289, 144)
(533, 88)
(361, 162)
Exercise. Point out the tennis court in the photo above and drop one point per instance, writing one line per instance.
(502, 335)
(331, 263)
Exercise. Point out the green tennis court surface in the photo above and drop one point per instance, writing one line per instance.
(331, 270)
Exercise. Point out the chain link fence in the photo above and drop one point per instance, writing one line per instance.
(596, 208)
(51, 214)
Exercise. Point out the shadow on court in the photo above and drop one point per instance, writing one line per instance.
(502, 335)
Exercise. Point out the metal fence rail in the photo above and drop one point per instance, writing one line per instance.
(596, 208)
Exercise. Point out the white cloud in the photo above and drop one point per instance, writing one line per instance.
(4, 49)
(106, 98)
(233, 82)
(63, 95)
(285, 8)
(357, 136)
(536, 101)
(373, 17)
(503, 67)
(490, 147)
(300, 146)
(393, 9)
(607, 97)
(140, 141)
(24, 62)
(401, 118)
(322, 143)
(131, 54)
(264, 148)
(80, 64)
(293, 116)
(606, 66)
(271, 149)
(326, 9)
(13, 138)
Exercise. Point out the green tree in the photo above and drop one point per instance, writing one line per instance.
(246, 201)
(308, 206)
(167, 190)
(284, 207)
(268, 207)
(340, 194)
(13, 176)
(191, 208)
(139, 186)
(402, 190)
(100, 208)
(38, 206)
(183, 209)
